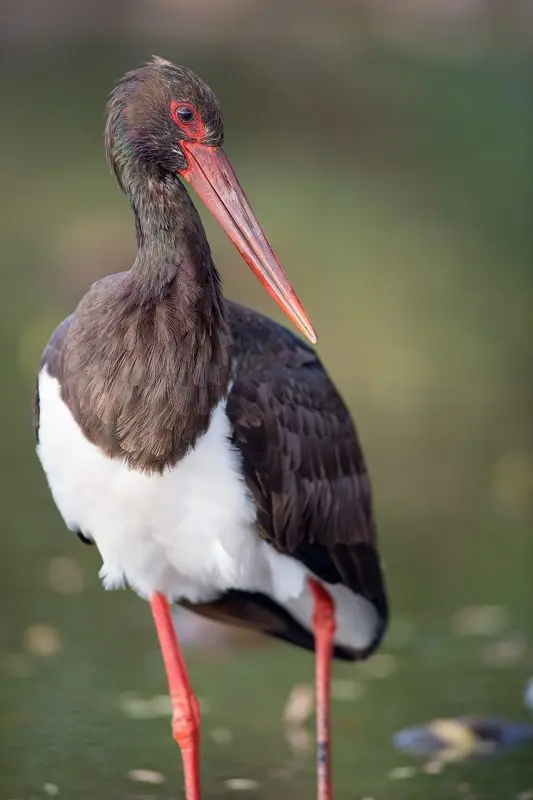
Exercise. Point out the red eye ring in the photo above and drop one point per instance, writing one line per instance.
(187, 119)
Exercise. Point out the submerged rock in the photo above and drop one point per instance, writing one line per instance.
(463, 737)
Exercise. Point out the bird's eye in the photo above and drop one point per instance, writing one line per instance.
(187, 117)
(185, 114)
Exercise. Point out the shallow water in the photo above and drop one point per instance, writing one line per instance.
(82, 706)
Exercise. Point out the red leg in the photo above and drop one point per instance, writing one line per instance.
(185, 709)
(324, 630)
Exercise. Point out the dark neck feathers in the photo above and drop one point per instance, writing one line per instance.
(146, 359)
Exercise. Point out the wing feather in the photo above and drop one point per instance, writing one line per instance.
(303, 462)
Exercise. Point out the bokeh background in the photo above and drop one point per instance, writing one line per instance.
(386, 146)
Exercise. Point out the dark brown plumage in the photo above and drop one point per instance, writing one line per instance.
(147, 355)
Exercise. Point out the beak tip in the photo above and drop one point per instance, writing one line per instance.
(308, 331)
(300, 319)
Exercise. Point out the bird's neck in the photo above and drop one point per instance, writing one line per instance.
(172, 247)
(147, 356)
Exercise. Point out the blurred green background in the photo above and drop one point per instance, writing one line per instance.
(386, 148)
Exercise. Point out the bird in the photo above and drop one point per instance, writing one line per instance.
(201, 446)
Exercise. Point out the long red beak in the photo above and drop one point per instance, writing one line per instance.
(211, 175)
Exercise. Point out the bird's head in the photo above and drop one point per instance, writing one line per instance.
(164, 123)
(155, 112)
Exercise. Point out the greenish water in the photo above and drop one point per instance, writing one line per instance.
(415, 248)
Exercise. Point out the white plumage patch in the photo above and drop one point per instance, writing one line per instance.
(188, 533)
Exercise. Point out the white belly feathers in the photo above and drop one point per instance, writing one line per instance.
(187, 533)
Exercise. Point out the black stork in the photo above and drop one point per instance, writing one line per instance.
(201, 446)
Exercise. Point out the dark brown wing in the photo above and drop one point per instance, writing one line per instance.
(52, 359)
(302, 459)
